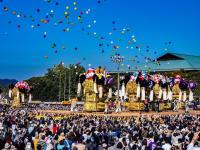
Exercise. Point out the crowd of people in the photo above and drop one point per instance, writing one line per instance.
(78, 107)
(27, 129)
(112, 106)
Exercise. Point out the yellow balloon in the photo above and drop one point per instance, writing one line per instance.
(67, 7)
(75, 8)
(66, 13)
(74, 3)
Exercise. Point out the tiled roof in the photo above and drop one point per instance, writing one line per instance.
(183, 61)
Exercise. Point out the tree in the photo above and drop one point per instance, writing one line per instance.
(51, 85)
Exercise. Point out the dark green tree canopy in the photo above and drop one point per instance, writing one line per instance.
(51, 85)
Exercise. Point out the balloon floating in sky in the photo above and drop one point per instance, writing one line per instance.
(45, 34)
(63, 47)
(46, 57)
(38, 10)
(5, 8)
(66, 29)
(53, 45)
(74, 3)
(73, 15)
(48, 1)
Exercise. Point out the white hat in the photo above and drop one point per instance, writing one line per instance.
(7, 145)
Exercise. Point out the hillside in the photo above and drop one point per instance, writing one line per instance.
(7, 82)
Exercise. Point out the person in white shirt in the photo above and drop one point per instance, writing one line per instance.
(167, 145)
(194, 139)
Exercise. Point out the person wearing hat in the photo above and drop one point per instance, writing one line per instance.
(81, 79)
(106, 106)
(150, 85)
(142, 82)
(118, 106)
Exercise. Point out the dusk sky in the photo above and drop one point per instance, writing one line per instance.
(94, 31)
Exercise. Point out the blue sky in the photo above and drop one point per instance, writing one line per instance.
(154, 23)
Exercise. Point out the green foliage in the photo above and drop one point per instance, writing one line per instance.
(51, 85)
(3, 88)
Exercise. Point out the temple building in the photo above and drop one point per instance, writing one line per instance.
(173, 62)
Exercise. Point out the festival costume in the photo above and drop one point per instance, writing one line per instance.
(150, 85)
(142, 82)
(191, 86)
(163, 89)
(169, 90)
(156, 87)
(183, 88)
(99, 80)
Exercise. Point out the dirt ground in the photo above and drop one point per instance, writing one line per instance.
(126, 114)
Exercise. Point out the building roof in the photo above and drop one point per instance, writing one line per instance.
(172, 62)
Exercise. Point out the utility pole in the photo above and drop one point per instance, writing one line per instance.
(118, 80)
(117, 58)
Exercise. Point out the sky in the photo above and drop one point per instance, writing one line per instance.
(103, 29)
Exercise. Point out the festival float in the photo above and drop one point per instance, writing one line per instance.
(132, 91)
(95, 87)
(17, 93)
